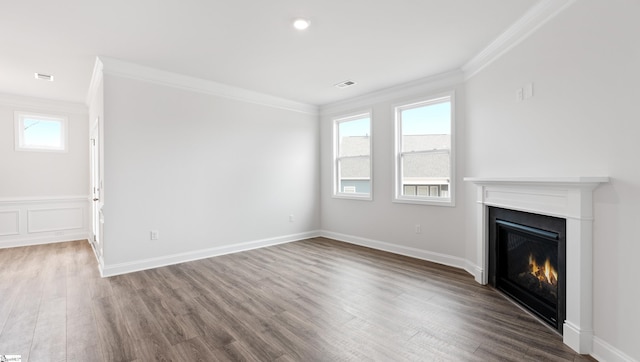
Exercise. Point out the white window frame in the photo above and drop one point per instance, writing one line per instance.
(398, 197)
(337, 193)
(20, 145)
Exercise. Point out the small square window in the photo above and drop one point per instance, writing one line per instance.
(40, 132)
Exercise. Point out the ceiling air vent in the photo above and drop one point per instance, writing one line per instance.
(345, 84)
(44, 77)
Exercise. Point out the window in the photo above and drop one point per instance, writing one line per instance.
(424, 151)
(352, 156)
(40, 132)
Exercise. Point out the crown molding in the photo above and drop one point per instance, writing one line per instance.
(533, 19)
(41, 104)
(146, 74)
(430, 84)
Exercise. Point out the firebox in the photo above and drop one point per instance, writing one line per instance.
(527, 261)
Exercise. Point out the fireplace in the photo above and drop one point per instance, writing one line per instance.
(527, 261)
(569, 198)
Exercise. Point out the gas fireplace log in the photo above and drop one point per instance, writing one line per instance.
(542, 289)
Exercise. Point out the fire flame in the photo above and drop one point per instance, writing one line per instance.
(544, 272)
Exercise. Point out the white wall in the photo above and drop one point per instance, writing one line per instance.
(381, 223)
(43, 195)
(43, 174)
(582, 121)
(210, 174)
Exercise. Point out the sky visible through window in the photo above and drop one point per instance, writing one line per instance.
(357, 127)
(42, 133)
(438, 117)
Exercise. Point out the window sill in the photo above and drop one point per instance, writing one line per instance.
(35, 149)
(448, 202)
(361, 197)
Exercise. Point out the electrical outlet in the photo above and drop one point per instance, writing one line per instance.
(154, 235)
(418, 229)
(291, 218)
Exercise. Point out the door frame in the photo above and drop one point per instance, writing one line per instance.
(96, 183)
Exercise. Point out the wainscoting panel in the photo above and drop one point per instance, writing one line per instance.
(55, 219)
(30, 221)
(9, 222)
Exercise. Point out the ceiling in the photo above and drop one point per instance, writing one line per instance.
(248, 43)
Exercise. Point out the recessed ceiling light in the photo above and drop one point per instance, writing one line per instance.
(301, 24)
(44, 77)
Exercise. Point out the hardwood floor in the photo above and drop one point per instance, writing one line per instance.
(313, 300)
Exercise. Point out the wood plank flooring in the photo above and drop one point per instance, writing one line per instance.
(312, 300)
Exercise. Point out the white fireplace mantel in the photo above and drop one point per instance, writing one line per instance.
(570, 198)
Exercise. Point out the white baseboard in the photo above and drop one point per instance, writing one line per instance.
(476, 271)
(604, 352)
(39, 240)
(580, 340)
(439, 258)
(129, 267)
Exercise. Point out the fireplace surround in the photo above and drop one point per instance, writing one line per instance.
(569, 198)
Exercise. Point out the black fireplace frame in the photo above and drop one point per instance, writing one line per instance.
(541, 226)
